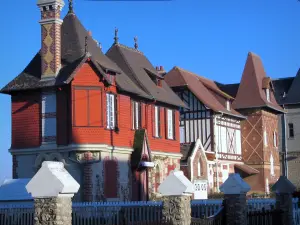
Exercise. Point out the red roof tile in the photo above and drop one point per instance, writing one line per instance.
(251, 92)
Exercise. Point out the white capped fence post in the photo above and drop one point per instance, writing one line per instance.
(235, 190)
(176, 190)
(284, 199)
(52, 188)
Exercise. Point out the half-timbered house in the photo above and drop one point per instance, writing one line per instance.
(111, 119)
(210, 130)
(254, 98)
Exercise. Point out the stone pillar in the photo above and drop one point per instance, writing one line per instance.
(235, 202)
(176, 190)
(52, 188)
(55, 210)
(284, 199)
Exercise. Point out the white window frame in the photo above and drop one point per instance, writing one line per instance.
(156, 121)
(228, 105)
(136, 115)
(170, 126)
(265, 138)
(275, 138)
(110, 111)
(272, 166)
(268, 95)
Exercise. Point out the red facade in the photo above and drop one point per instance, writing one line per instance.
(81, 117)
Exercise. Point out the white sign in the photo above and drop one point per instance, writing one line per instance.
(200, 187)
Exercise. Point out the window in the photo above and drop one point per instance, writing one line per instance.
(272, 165)
(228, 105)
(156, 121)
(199, 169)
(291, 130)
(48, 117)
(275, 139)
(265, 138)
(87, 107)
(170, 124)
(136, 115)
(268, 94)
(110, 111)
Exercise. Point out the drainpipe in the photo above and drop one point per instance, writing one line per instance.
(216, 151)
(285, 166)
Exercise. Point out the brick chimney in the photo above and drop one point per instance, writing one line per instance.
(51, 37)
(160, 70)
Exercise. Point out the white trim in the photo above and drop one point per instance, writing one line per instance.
(50, 21)
(173, 155)
(198, 145)
(73, 147)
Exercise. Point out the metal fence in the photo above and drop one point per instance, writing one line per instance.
(130, 213)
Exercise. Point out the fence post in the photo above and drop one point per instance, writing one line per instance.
(176, 190)
(52, 188)
(235, 203)
(284, 199)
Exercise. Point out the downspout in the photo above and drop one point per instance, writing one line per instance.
(216, 151)
(285, 167)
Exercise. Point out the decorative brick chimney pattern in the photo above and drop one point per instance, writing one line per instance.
(51, 38)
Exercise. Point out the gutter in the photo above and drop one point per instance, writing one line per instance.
(284, 150)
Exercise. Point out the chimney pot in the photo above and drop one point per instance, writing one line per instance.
(90, 33)
(157, 68)
(161, 68)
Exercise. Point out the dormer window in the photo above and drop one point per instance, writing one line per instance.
(268, 94)
(228, 105)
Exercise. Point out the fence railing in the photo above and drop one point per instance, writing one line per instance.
(132, 212)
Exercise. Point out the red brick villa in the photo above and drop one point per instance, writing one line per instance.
(110, 118)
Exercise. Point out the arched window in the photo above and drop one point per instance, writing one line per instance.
(271, 165)
(110, 178)
(199, 168)
(157, 178)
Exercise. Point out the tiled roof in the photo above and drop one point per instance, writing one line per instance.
(204, 89)
(135, 65)
(251, 91)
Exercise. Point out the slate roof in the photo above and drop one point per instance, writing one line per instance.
(281, 86)
(293, 94)
(204, 89)
(250, 93)
(136, 65)
(14, 190)
(131, 74)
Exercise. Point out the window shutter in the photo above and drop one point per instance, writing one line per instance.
(158, 109)
(174, 124)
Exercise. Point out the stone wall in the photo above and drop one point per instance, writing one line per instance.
(57, 209)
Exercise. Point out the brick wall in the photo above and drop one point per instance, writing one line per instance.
(26, 114)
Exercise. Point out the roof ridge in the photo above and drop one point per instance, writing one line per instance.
(129, 48)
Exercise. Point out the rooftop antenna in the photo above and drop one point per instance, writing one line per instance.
(71, 6)
(135, 42)
(116, 38)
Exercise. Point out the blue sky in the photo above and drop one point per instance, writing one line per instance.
(209, 37)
